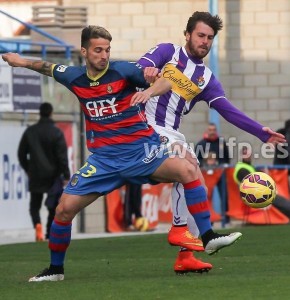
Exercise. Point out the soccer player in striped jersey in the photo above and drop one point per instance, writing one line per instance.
(192, 82)
(124, 147)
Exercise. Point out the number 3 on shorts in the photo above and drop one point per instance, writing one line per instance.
(87, 170)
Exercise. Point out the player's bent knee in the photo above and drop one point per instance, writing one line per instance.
(63, 214)
(187, 173)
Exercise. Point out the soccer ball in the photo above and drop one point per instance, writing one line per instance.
(141, 224)
(258, 190)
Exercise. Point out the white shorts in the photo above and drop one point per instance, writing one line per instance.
(170, 136)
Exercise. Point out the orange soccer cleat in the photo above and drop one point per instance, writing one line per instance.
(38, 233)
(180, 236)
(186, 262)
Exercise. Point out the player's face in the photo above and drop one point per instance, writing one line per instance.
(211, 131)
(97, 55)
(199, 42)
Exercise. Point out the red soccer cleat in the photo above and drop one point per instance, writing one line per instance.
(186, 262)
(180, 236)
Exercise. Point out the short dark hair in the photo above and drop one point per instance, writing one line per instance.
(45, 109)
(94, 32)
(214, 22)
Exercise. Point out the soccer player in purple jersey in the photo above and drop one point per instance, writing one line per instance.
(165, 112)
(124, 147)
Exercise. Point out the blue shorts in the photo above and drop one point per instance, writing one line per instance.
(103, 174)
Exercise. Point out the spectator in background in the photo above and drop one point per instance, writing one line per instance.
(210, 162)
(132, 208)
(245, 167)
(213, 143)
(42, 154)
(282, 152)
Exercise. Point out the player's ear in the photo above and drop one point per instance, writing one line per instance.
(187, 37)
(83, 52)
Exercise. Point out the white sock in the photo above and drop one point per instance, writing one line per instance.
(179, 208)
(192, 226)
(181, 215)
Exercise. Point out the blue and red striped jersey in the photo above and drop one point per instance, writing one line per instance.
(111, 123)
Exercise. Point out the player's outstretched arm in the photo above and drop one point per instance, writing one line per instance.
(275, 137)
(160, 87)
(15, 60)
(236, 117)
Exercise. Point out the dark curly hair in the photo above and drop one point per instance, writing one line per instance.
(214, 22)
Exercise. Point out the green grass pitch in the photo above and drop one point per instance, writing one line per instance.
(141, 267)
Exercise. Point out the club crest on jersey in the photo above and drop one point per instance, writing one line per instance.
(109, 89)
(163, 139)
(200, 81)
(61, 68)
(74, 180)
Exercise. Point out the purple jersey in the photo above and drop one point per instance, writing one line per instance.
(167, 110)
(111, 123)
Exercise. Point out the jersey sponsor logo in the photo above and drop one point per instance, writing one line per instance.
(61, 68)
(96, 83)
(181, 84)
(136, 64)
(139, 66)
(138, 89)
(101, 107)
(153, 154)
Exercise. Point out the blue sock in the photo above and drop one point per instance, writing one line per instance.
(197, 204)
(59, 240)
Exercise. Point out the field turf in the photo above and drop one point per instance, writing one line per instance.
(140, 267)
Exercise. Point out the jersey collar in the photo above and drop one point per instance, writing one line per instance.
(99, 75)
(195, 60)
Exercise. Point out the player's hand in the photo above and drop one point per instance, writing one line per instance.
(13, 59)
(275, 138)
(140, 97)
(151, 74)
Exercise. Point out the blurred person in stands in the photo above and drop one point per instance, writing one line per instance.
(42, 153)
(133, 217)
(213, 143)
(245, 167)
(216, 144)
(210, 162)
(282, 152)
